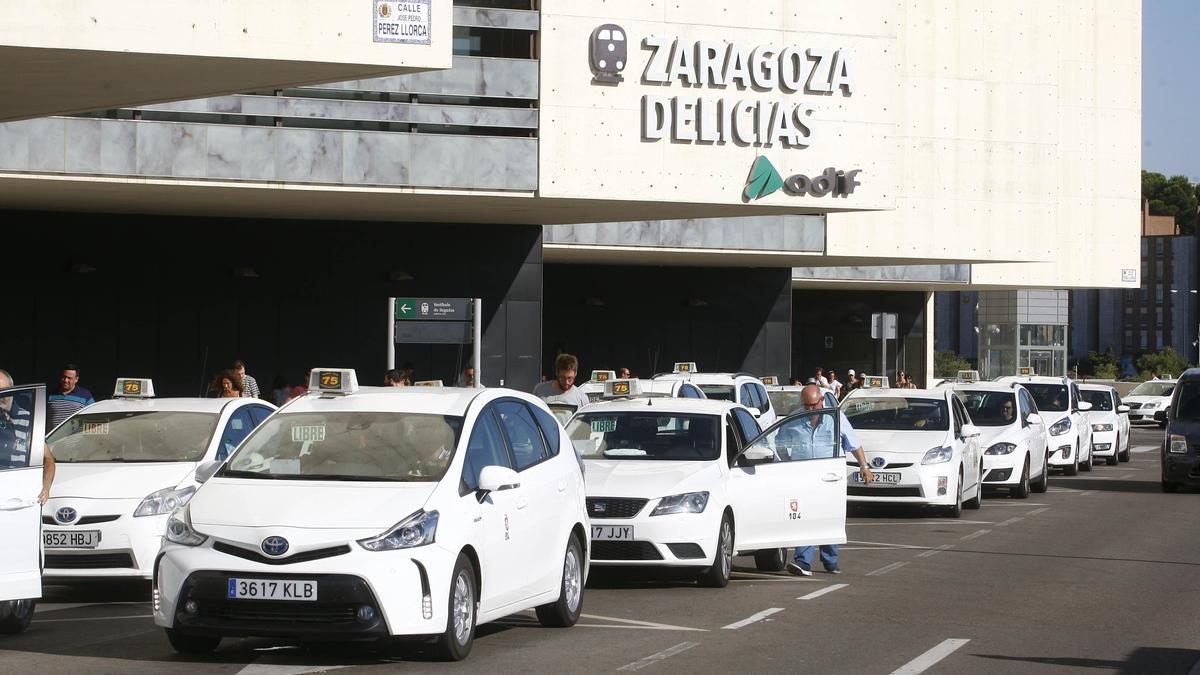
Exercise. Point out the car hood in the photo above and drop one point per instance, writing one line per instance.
(1102, 417)
(991, 435)
(1146, 399)
(224, 506)
(901, 442)
(115, 480)
(647, 478)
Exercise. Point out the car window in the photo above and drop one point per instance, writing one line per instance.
(733, 444)
(764, 401)
(747, 425)
(1187, 406)
(990, 408)
(746, 396)
(722, 392)
(897, 413)
(688, 391)
(958, 416)
(550, 430)
(239, 426)
(1050, 397)
(16, 421)
(1027, 403)
(1100, 400)
(524, 437)
(810, 434)
(645, 435)
(485, 448)
(258, 413)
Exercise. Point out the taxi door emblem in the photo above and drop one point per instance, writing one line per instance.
(794, 505)
(506, 527)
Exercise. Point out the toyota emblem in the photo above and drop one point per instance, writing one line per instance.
(274, 546)
(878, 462)
(66, 515)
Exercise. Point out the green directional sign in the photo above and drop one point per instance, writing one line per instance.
(764, 179)
(406, 308)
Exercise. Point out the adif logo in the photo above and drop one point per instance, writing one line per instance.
(609, 53)
(765, 179)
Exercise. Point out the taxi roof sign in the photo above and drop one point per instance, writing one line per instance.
(769, 380)
(968, 375)
(686, 367)
(875, 381)
(134, 387)
(621, 388)
(333, 381)
(603, 375)
(428, 383)
(1025, 370)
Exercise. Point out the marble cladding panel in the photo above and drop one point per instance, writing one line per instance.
(309, 155)
(14, 145)
(911, 273)
(514, 19)
(118, 146)
(83, 143)
(470, 76)
(171, 149)
(33, 145)
(377, 159)
(757, 233)
(244, 153)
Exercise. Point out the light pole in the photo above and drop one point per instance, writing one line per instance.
(1193, 291)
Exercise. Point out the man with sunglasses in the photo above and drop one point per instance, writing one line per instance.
(811, 398)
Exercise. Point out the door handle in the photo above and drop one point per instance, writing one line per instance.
(522, 502)
(832, 477)
(16, 505)
(562, 486)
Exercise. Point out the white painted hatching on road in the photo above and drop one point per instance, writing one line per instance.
(754, 618)
(931, 658)
(1037, 511)
(934, 551)
(818, 593)
(1010, 521)
(886, 568)
(975, 535)
(658, 656)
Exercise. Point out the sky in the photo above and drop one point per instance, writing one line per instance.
(1171, 87)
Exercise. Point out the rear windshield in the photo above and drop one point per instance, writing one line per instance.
(1049, 396)
(722, 392)
(990, 408)
(1153, 388)
(1100, 400)
(1188, 407)
(895, 413)
(646, 436)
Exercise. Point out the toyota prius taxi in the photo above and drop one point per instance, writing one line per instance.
(686, 483)
(123, 466)
(369, 512)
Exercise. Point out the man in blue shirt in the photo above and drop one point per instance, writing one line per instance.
(815, 440)
(70, 399)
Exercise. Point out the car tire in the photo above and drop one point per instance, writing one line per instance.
(565, 611)
(1123, 456)
(717, 576)
(1042, 484)
(187, 643)
(976, 501)
(461, 605)
(1087, 466)
(1073, 468)
(955, 511)
(1021, 489)
(1168, 486)
(16, 615)
(770, 560)
(1112, 461)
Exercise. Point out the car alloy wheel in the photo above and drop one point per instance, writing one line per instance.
(464, 608)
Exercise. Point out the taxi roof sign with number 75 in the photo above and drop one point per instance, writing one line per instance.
(333, 381)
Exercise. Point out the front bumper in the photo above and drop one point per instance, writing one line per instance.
(1144, 416)
(406, 592)
(1062, 450)
(678, 540)
(1003, 469)
(1104, 443)
(1182, 469)
(127, 546)
(932, 484)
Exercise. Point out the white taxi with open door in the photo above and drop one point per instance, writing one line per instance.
(22, 448)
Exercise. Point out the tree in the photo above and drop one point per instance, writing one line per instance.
(1165, 362)
(1104, 366)
(947, 364)
(1174, 196)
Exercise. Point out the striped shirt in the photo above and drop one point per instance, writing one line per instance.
(62, 406)
(250, 387)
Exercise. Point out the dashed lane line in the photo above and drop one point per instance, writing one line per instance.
(930, 658)
(753, 618)
(1088, 492)
(277, 669)
(926, 523)
(883, 544)
(658, 656)
(1037, 511)
(1010, 521)
(1127, 476)
(934, 551)
(885, 569)
(975, 535)
(818, 593)
(634, 623)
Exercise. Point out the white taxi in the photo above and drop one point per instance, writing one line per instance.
(22, 448)
(1149, 402)
(741, 388)
(123, 466)
(922, 447)
(689, 483)
(376, 511)
(1061, 408)
(1110, 422)
(1017, 456)
(594, 387)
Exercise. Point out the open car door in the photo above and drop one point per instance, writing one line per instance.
(22, 443)
(787, 486)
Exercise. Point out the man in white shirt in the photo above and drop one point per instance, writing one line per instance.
(562, 388)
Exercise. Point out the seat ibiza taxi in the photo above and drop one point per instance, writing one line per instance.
(1064, 411)
(123, 466)
(1013, 435)
(371, 512)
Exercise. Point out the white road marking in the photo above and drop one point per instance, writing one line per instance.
(823, 591)
(885, 569)
(1128, 475)
(932, 552)
(636, 623)
(883, 544)
(755, 618)
(1144, 448)
(1063, 490)
(1021, 504)
(1037, 511)
(273, 669)
(930, 658)
(1010, 521)
(928, 522)
(96, 618)
(976, 534)
(659, 656)
(1087, 492)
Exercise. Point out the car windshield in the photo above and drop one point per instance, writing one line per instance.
(1153, 388)
(141, 436)
(721, 392)
(1049, 396)
(1188, 408)
(897, 413)
(990, 408)
(1100, 400)
(370, 446)
(784, 402)
(638, 435)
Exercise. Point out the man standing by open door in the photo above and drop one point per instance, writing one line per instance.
(22, 483)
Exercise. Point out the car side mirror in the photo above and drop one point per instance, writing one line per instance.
(759, 454)
(970, 431)
(1033, 418)
(1122, 409)
(206, 470)
(1084, 406)
(497, 479)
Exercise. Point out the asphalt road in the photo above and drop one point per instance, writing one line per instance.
(1099, 574)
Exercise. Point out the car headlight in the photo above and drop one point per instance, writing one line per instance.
(165, 500)
(1149, 405)
(938, 455)
(1178, 444)
(1102, 427)
(1061, 427)
(690, 502)
(999, 449)
(418, 529)
(179, 529)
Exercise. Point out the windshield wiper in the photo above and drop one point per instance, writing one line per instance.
(234, 473)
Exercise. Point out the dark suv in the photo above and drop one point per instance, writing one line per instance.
(1181, 444)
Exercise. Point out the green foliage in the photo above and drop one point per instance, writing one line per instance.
(1165, 362)
(1174, 196)
(947, 364)
(1100, 366)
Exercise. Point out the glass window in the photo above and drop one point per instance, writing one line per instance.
(688, 391)
(747, 425)
(524, 437)
(764, 401)
(898, 413)
(495, 42)
(156, 436)
(785, 402)
(1144, 247)
(722, 392)
(1158, 340)
(1158, 246)
(990, 408)
(16, 422)
(646, 435)
(364, 446)
(1029, 406)
(550, 430)
(1188, 407)
(1148, 388)
(485, 448)
(808, 435)
(258, 413)
(1158, 269)
(733, 444)
(1100, 400)
(1049, 397)
(747, 397)
(1144, 342)
(236, 429)
(1158, 293)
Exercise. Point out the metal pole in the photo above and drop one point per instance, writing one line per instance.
(391, 333)
(477, 342)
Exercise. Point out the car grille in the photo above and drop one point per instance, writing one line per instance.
(1134, 406)
(858, 491)
(614, 507)
(247, 554)
(897, 465)
(86, 520)
(89, 561)
(278, 613)
(624, 550)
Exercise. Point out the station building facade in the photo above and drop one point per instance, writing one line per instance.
(642, 183)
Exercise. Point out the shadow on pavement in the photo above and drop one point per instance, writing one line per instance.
(1136, 486)
(135, 590)
(1142, 660)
